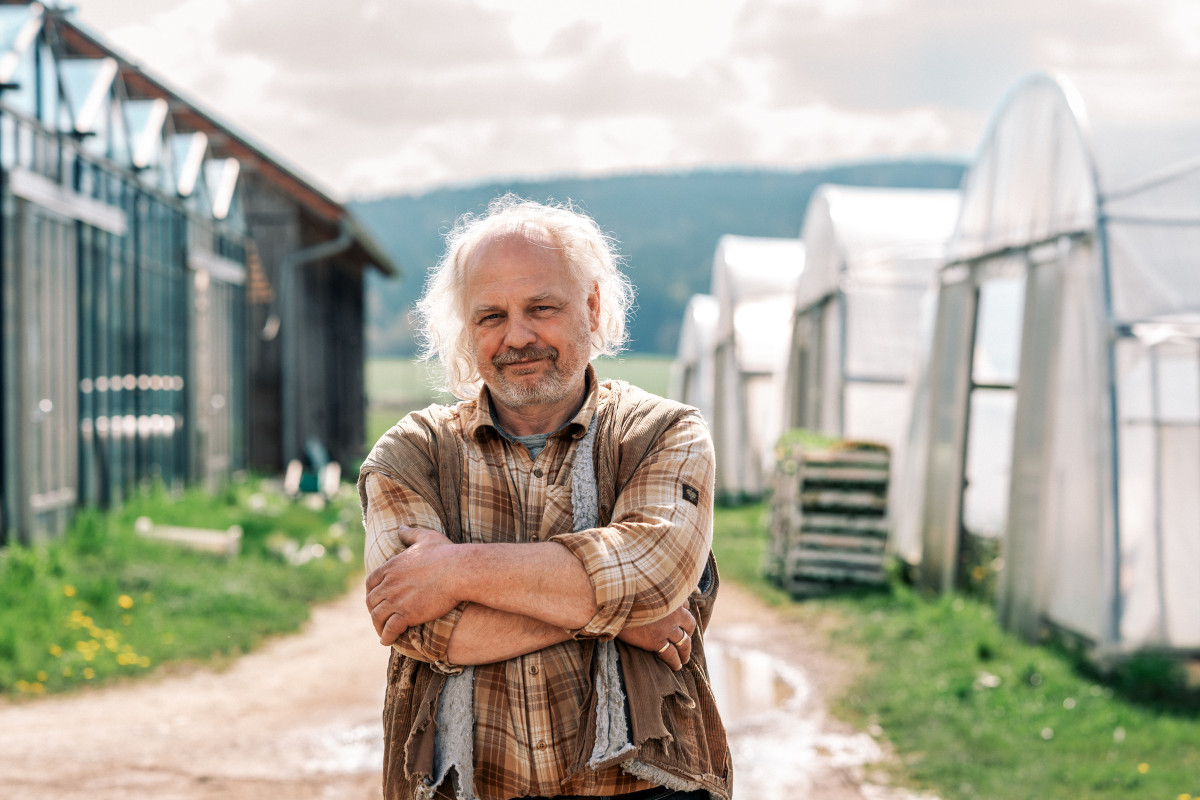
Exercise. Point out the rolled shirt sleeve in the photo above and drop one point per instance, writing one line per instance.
(390, 507)
(650, 557)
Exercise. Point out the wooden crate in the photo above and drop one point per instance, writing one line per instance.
(829, 516)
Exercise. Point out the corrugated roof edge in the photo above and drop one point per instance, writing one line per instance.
(315, 199)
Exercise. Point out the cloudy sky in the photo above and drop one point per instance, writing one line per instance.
(390, 96)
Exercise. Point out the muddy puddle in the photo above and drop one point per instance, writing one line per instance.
(781, 745)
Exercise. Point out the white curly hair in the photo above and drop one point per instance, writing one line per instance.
(591, 256)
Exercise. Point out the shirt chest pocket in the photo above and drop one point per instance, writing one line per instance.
(557, 515)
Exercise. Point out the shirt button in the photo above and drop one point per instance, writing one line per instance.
(533, 538)
(537, 473)
(533, 670)
(541, 745)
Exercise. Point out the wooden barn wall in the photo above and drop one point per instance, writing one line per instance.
(332, 395)
(330, 401)
(274, 228)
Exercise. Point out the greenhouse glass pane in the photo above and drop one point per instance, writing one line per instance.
(1140, 559)
(12, 20)
(24, 97)
(998, 330)
(1181, 533)
(1178, 371)
(1134, 386)
(989, 458)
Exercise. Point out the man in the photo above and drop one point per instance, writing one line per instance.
(540, 551)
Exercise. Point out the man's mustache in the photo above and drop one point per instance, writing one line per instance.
(531, 353)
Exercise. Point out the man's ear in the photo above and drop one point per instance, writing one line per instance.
(593, 304)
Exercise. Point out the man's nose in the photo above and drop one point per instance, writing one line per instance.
(519, 333)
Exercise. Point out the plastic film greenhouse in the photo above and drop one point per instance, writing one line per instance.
(754, 280)
(1064, 375)
(871, 256)
(692, 379)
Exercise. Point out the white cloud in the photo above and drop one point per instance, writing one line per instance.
(372, 95)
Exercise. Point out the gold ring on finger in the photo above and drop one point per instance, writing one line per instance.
(681, 641)
(663, 649)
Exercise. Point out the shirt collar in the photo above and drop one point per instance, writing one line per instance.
(480, 419)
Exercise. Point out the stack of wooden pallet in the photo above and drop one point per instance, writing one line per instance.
(829, 520)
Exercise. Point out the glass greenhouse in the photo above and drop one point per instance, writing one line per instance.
(134, 258)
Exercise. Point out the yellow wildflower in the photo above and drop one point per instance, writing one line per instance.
(89, 673)
(69, 590)
(1143, 768)
(125, 601)
(55, 650)
(42, 676)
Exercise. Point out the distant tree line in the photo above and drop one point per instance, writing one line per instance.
(668, 225)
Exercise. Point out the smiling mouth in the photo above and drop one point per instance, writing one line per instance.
(524, 367)
(518, 359)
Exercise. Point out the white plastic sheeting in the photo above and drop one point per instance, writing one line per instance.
(692, 379)
(1064, 375)
(871, 257)
(754, 283)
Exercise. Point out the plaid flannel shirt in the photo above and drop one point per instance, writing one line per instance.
(642, 566)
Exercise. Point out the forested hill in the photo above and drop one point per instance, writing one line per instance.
(668, 226)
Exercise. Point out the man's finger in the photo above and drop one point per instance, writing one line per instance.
(408, 535)
(380, 614)
(392, 629)
(376, 577)
(683, 645)
(670, 657)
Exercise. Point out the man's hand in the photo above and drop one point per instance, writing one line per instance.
(670, 637)
(412, 587)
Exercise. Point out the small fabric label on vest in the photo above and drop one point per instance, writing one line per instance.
(691, 494)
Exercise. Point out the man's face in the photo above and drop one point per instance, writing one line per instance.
(528, 320)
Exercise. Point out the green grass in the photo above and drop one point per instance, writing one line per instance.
(103, 603)
(976, 713)
(649, 372)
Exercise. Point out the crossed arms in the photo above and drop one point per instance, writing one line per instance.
(474, 603)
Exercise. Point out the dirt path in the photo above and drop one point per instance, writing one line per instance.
(299, 719)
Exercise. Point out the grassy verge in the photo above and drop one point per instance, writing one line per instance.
(976, 713)
(102, 602)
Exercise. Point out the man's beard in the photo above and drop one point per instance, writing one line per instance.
(559, 379)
